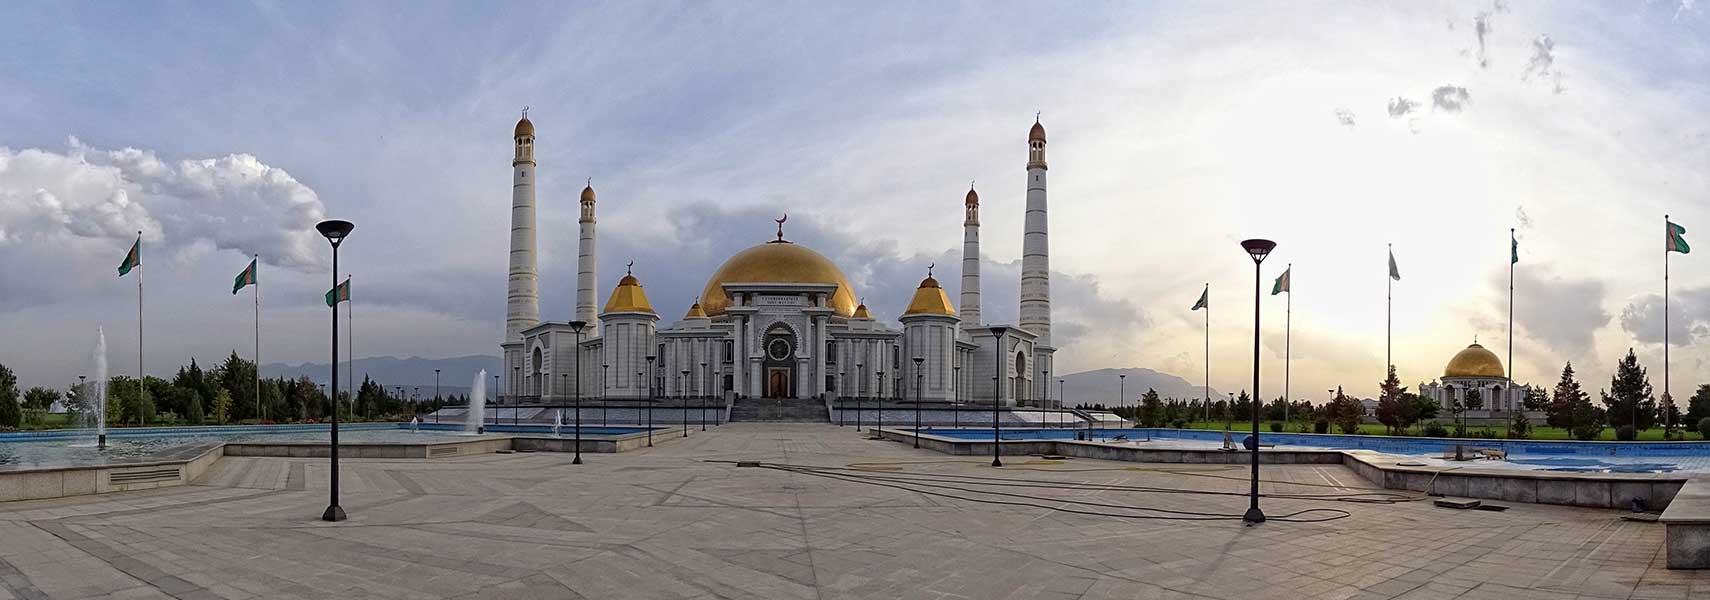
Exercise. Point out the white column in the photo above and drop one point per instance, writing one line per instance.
(522, 300)
(587, 279)
(1036, 250)
(970, 301)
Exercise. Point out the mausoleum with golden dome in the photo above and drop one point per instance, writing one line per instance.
(777, 320)
(1476, 371)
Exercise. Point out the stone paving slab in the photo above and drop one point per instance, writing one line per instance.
(664, 523)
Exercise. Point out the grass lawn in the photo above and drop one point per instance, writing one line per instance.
(1539, 432)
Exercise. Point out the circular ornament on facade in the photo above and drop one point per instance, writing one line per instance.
(778, 349)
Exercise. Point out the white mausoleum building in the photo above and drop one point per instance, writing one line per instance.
(777, 320)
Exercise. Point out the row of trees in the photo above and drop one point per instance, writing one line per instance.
(226, 393)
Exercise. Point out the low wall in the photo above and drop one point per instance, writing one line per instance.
(1595, 490)
(36, 484)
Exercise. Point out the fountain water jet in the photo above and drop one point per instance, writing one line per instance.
(415, 425)
(474, 422)
(557, 422)
(97, 404)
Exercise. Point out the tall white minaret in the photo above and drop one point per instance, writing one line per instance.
(587, 277)
(970, 309)
(1036, 244)
(522, 301)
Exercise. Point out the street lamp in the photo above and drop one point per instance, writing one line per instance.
(650, 376)
(1258, 249)
(860, 386)
(917, 399)
(605, 376)
(718, 394)
(997, 391)
(1044, 378)
(842, 393)
(496, 403)
(576, 326)
(956, 394)
(881, 403)
(1121, 390)
(1059, 403)
(703, 396)
(335, 231)
(681, 382)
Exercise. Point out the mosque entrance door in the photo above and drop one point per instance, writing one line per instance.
(778, 383)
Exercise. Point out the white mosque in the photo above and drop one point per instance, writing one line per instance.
(777, 320)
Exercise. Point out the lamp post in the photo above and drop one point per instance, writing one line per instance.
(842, 393)
(997, 392)
(1121, 390)
(1044, 378)
(860, 386)
(1060, 403)
(605, 377)
(496, 404)
(681, 381)
(436, 395)
(576, 386)
(1258, 249)
(703, 395)
(718, 394)
(956, 406)
(335, 231)
(917, 399)
(881, 403)
(650, 376)
(563, 384)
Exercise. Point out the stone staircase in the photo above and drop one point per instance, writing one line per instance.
(774, 410)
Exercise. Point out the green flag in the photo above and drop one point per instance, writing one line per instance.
(133, 259)
(1282, 282)
(1204, 299)
(1394, 272)
(1513, 248)
(339, 293)
(246, 278)
(1676, 243)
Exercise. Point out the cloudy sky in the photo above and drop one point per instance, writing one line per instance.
(1176, 130)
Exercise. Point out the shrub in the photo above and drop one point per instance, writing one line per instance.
(1519, 428)
(1587, 431)
(1276, 426)
(1179, 424)
(1322, 425)
(1704, 427)
(1436, 430)
(1626, 433)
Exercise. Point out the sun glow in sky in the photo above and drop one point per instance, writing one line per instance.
(1176, 130)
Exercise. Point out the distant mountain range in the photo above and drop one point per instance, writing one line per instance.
(455, 376)
(1103, 385)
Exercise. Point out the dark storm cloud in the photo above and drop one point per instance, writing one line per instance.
(1451, 98)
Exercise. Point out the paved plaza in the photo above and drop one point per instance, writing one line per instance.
(663, 523)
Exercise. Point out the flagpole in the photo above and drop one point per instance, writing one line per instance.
(350, 345)
(1388, 315)
(1208, 351)
(256, 275)
(1669, 228)
(1288, 334)
(1513, 256)
(140, 375)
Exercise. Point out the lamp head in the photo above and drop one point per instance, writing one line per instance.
(335, 230)
(577, 326)
(650, 358)
(1258, 248)
(919, 359)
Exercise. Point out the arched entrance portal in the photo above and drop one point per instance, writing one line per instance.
(1022, 389)
(780, 363)
(534, 374)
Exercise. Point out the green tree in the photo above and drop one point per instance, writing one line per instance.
(1392, 408)
(1567, 397)
(1151, 409)
(10, 412)
(222, 405)
(1475, 399)
(40, 398)
(237, 376)
(1536, 399)
(1346, 412)
(194, 411)
(273, 402)
(1629, 396)
(1518, 427)
(1698, 407)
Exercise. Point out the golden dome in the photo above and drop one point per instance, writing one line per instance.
(929, 299)
(695, 312)
(588, 193)
(973, 198)
(777, 262)
(524, 127)
(1474, 361)
(628, 297)
(1037, 133)
(861, 313)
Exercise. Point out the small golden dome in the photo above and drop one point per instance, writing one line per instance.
(1037, 134)
(973, 198)
(929, 299)
(861, 312)
(628, 297)
(588, 193)
(1474, 361)
(524, 127)
(695, 312)
(778, 262)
